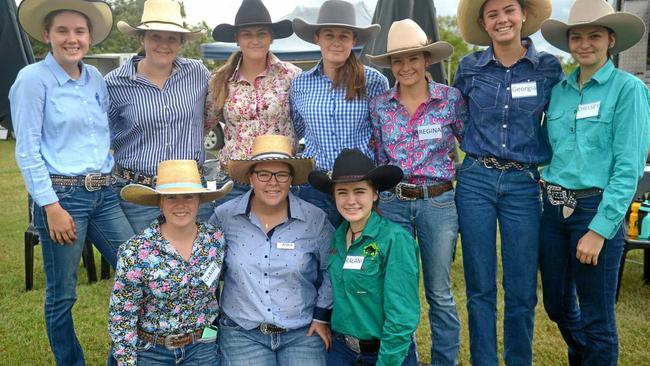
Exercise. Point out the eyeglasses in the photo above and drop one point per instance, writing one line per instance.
(265, 176)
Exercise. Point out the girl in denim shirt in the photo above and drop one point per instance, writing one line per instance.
(507, 87)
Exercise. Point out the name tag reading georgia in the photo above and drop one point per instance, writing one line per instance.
(353, 262)
(588, 110)
(524, 90)
(429, 132)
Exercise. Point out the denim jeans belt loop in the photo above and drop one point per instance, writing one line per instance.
(359, 346)
(91, 181)
(558, 195)
(268, 329)
(411, 192)
(171, 341)
(492, 162)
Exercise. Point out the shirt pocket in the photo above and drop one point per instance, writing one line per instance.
(596, 132)
(484, 92)
(557, 126)
(533, 103)
(364, 281)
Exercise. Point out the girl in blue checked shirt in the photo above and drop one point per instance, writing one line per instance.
(329, 103)
(597, 123)
(507, 87)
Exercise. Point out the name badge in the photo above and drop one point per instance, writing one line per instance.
(430, 132)
(353, 262)
(289, 246)
(524, 90)
(211, 274)
(211, 185)
(588, 110)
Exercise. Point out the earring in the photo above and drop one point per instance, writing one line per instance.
(524, 21)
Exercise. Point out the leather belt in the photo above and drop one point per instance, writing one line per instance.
(410, 192)
(91, 181)
(268, 329)
(492, 162)
(171, 341)
(135, 177)
(360, 346)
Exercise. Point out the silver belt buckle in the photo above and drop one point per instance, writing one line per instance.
(398, 191)
(556, 195)
(93, 182)
(172, 338)
(352, 343)
(264, 328)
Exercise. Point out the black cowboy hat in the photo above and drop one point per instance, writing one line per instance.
(252, 13)
(354, 166)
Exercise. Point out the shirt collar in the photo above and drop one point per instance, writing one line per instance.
(436, 92)
(295, 211)
(601, 76)
(128, 70)
(271, 62)
(372, 226)
(531, 54)
(316, 70)
(61, 75)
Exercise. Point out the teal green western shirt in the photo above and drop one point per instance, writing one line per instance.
(599, 137)
(378, 299)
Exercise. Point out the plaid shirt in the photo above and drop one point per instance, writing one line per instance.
(327, 121)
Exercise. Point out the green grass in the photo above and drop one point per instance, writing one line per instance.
(23, 340)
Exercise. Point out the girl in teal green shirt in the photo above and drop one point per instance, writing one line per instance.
(597, 125)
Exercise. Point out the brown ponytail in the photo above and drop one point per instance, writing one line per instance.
(219, 82)
(353, 76)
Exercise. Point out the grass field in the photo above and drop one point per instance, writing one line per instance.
(23, 340)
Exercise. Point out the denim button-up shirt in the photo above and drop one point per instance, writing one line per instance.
(500, 125)
(280, 278)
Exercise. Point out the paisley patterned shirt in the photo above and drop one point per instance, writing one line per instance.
(254, 108)
(419, 144)
(160, 292)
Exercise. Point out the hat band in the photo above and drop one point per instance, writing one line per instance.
(272, 155)
(179, 185)
(159, 21)
(349, 177)
(406, 48)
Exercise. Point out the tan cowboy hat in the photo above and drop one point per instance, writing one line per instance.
(468, 16)
(31, 14)
(335, 13)
(628, 28)
(271, 148)
(406, 36)
(174, 177)
(160, 15)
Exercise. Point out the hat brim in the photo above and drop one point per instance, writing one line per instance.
(467, 16)
(628, 30)
(31, 14)
(382, 177)
(306, 31)
(227, 32)
(128, 30)
(239, 169)
(147, 196)
(437, 51)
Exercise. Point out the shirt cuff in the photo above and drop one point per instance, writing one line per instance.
(324, 315)
(46, 198)
(601, 225)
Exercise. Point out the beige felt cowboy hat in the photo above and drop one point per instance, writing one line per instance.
(31, 14)
(406, 36)
(160, 15)
(628, 28)
(174, 177)
(271, 148)
(335, 13)
(468, 14)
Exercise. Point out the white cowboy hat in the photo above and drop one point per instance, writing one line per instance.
(174, 177)
(406, 36)
(335, 13)
(160, 15)
(271, 148)
(31, 14)
(628, 28)
(468, 14)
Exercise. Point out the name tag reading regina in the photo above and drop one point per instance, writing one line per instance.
(353, 262)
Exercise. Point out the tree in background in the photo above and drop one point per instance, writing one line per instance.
(448, 31)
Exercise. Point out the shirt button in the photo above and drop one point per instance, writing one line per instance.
(266, 256)
(504, 126)
(508, 70)
(268, 309)
(508, 88)
(503, 145)
(266, 274)
(85, 102)
(506, 107)
(267, 291)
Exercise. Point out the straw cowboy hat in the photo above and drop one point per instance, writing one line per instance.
(160, 15)
(31, 14)
(335, 13)
(252, 13)
(271, 148)
(354, 166)
(174, 177)
(628, 28)
(468, 16)
(406, 36)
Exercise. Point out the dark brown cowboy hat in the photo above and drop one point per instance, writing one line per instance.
(252, 13)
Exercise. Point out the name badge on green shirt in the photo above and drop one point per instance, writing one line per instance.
(588, 110)
(353, 262)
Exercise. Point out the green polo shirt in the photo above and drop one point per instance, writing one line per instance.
(377, 297)
(599, 136)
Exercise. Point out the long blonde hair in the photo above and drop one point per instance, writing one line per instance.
(219, 82)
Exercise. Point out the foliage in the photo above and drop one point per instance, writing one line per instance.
(448, 31)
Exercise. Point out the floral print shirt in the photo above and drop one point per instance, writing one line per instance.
(253, 109)
(159, 292)
(419, 144)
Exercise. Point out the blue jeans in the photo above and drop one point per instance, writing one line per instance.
(98, 216)
(250, 347)
(589, 329)
(485, 196)
(324, 201)
(194, 354)
(341, 355)
(434, 221)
